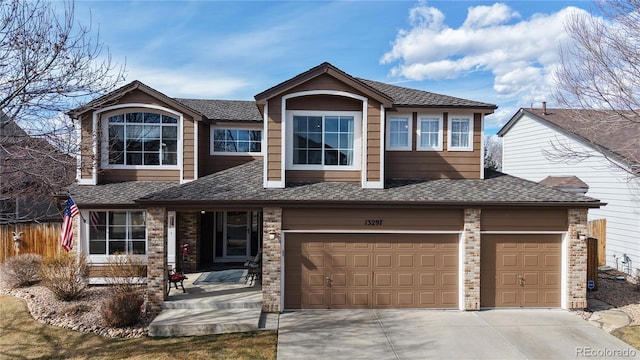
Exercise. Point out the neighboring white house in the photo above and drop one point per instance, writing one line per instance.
(536, 143)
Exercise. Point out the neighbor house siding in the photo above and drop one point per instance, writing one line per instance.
(446, 164)
(525, 145)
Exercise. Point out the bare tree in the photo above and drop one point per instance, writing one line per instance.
(48, 65)
(599, 78)
(493, 153)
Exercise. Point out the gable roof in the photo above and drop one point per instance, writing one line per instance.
(225, 110)
(223, 188)
(606, 131)
(115, 95)
(324, 68)
(403, 96)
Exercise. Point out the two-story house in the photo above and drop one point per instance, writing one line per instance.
(598, 147)
(360, 194)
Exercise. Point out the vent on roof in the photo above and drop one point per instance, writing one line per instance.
(544, 108)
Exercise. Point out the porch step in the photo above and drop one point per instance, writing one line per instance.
(212, 304)
(192, 322)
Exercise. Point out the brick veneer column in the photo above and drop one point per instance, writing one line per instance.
(271, 259)
(156, 259)
(471, 243)
(188, 225)
(577, 267)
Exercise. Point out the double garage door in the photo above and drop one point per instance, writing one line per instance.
(363, 271)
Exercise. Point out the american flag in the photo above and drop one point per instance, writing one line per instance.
(66, 237)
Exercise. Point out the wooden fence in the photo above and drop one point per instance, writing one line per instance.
(43, 239)
(598, 229)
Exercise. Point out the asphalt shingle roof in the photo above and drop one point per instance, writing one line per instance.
(224, 109)
(224, 187)
(403, 96)
(115, 194)
(606, 129)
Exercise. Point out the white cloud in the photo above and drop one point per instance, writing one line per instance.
(481, 16)
(520, 54)
(187, 83)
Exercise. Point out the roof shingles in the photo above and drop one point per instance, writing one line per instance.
(224, 187)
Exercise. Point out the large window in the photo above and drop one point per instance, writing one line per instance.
(232, 141)
(117, 232)
(430, 133)
(399, 133)
(460, 133)
(143, 138)
(324, 140)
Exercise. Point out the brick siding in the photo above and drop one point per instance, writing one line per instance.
(187, 233)
(156, 259)
(577, 266)
(271, 259)
(471, 243)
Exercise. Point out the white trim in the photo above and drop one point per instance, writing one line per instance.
(383, 120)
(94, 147)
(212, 128)
(283, 140)
(461, 272)
(282, 270)
(374, 185)
(357, 140)
(86, 182)
(564, 272)
(195, 150)
(107, 281)
(171, 239)
(400, 116)
(482, 139)
(105, 151)
(440, 120)
(365, 142)
(470, 135)
(274, 184)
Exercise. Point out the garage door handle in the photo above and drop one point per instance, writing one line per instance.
(328, 281)
(521, 279)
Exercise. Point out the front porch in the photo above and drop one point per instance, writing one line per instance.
(214, 302)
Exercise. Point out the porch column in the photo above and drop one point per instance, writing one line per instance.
(577, 254)
(188, 226)
(271, 258)
(471, 260)
(156, 259)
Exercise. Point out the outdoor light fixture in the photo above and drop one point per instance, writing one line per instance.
(582, 236)
(272, 234)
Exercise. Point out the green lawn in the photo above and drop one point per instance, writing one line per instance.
(21, 337)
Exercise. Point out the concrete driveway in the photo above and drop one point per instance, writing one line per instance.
(433, 334)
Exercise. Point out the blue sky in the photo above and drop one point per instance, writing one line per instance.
(498, 52)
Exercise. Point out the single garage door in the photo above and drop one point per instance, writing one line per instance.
(520, 270)
(364, 271)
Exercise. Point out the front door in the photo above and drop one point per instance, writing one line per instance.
(236, 236)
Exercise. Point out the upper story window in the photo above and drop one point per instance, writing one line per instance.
(142, 138)
(324, 140)
(231, 141)
(399, 133)
(460, 133)
(430, 133)
(117, 232)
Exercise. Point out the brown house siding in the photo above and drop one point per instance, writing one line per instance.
(312, 176)
(188, 146)
(524, 220)
(274, 137)
(115, 175)
(209, 164)
(357, 219)
(373, 141)
(437, 164)
(86, 148)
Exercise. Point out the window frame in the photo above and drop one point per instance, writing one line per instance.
(104, 257)
(422, 118)
(409, 119)
(450, 121)
(357, 140)
(104, 119)
(212, 151)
